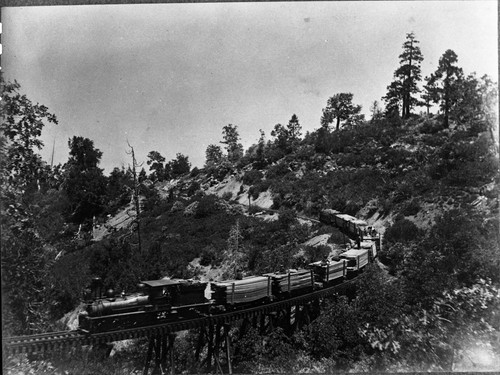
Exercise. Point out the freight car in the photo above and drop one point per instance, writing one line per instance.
(329, 272)
(357, 259)
(292, 282)
(354, 228)
(237, 292)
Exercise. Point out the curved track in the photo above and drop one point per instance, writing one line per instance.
(58, 340)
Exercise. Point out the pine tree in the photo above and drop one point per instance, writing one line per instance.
(213, 155)
(234, 255)
(85, 184)
(231, 140)
(444, 84)
(406, 77)
(288, 137)
(339, 107)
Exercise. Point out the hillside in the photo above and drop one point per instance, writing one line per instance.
(432, 190)
(428, 189)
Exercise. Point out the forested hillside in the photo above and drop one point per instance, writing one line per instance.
(423, 170)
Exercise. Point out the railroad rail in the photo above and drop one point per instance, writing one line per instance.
(57, 340)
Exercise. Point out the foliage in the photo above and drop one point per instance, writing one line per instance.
(315, 253)
(84, 184)
(180, 165)
(444, 84)
(210, 256)
(339, 107)
(219, 171)
(156, 165)
(458, 250)
(213, 155)
(207, 206)
(427, 339)
(21, 127)
(403, 230)
(393, 99)
(25, 254)
(334, 334)
(406, 78)
(377, 113)
(287, 138)
(259, 187)
(264, 354)
(233, 257)
(24, 259)
(259, 160)
(464, 162)
(252, 177)
(119, 189)
(231, 138)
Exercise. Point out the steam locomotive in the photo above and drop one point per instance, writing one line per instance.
(171, 300)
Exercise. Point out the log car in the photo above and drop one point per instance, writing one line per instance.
(329, 272)
(238, 292)
(291, 283)
(356, 259)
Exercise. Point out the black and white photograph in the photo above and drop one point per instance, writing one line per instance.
(249, 187)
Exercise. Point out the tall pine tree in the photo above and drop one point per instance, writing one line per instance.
(445, 83)
(406, 77)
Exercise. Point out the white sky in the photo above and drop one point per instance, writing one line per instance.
(168, 77)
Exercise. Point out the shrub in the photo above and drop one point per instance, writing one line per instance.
(287, 218)
(335, 333)
(207, 206)
(253, 192)
(227, 195)
(193, 188)
(253, 210)
(260, 187)
(194, 172)
(411, 208)
(277, 171)
(431, 127)
(210, 256)
(403, 230)
(219, 171)
(252, 177)
(315, 253)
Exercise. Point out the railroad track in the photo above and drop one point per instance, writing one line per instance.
(57, 340)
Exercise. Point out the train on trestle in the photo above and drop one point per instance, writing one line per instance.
(171, 300)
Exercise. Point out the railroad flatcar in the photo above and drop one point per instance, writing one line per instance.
(329, 272)
(351, 225)
(291, 282)
(357, 259)
(348, 224)
(235, 292)
(371, 246)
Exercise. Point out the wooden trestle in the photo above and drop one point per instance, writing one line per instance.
(214, 347)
